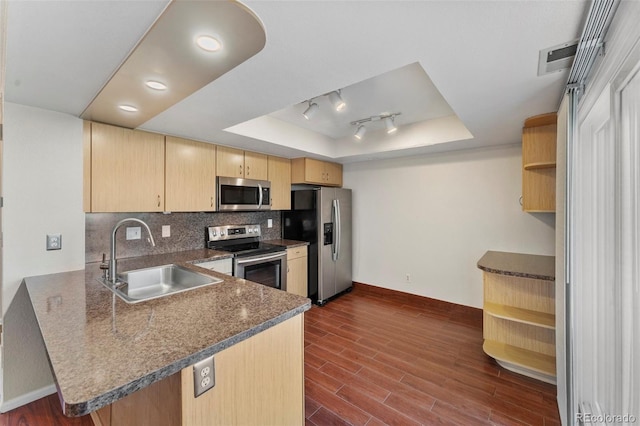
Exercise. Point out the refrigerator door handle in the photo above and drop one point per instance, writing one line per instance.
(338, 230)
(334, 216)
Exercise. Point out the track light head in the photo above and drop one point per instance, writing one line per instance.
(311, 110)
(389, 124)
(360, 131)
(336, 100)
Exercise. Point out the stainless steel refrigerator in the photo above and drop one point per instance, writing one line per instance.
(322, 216)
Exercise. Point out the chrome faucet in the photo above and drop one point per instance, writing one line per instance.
(113, 266)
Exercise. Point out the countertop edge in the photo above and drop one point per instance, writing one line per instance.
(518, 265)
(86, 407)
(287, 243)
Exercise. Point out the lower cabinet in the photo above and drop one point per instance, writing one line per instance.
(224, 266)
(259, 381)
(297, 271)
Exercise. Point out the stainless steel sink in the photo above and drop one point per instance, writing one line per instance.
(151, 283)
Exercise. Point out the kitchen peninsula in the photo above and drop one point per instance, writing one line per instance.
(131, 363)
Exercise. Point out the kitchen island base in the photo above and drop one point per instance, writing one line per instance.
(257, 381)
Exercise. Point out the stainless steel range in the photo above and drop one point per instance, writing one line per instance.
(252, 259)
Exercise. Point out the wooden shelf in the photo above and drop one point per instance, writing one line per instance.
(540, 165)
(519, 357)
(525, 316)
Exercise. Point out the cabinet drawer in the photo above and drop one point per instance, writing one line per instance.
(224, 266)
(296, 252)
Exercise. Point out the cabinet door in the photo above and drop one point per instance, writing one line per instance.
(314, 171)
(297, 270)
(230, 162)
(190, 175)
(127, 170)
(279, 174)
(333, 174)
(255, 165)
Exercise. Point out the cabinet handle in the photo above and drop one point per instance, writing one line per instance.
(247, 170)
(240, 169)
(520, 200)
(158, 200)
(211, 201)
(288, 269)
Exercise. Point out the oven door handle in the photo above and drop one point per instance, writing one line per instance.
(260, 197)
(241, 261)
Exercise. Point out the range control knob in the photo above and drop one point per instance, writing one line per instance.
(251, 230)
(222, 233)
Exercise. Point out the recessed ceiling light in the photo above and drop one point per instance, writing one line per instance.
(208, 43)
(156, 85)
(128, 108)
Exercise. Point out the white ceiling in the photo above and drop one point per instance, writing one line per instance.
(480, 55)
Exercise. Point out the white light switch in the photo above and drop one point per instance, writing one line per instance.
(166, 231)
(269, 223)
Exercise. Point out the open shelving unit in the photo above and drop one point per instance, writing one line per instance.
(519, 323)
(539, 163)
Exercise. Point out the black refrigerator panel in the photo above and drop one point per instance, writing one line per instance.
(300, 223)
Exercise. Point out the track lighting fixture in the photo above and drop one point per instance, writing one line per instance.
(389, 124)
(334, 97)
(388, 119)
(311, 110)
(336, 100)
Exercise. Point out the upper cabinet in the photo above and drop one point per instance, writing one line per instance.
(233, 162)
(126, 170)
(134, 171)
(190, 175)
(279, 174)
(308, 170)
(539, 163)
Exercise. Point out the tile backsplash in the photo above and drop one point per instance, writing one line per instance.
(187, 231)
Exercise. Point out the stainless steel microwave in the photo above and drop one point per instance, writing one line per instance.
(237, 194)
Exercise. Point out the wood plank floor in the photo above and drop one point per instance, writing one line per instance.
(375, 357)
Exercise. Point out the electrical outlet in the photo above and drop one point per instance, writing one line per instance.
(166, 231)
(133, 232)
(204, 376)
(407, 278)
(269, 223)
(54, 241)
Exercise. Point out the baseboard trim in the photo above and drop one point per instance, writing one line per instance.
(27, 398)
(454, 312)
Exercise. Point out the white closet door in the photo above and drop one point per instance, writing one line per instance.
(629, 255)
(594, 283)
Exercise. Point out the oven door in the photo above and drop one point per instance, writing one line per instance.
(267, 269)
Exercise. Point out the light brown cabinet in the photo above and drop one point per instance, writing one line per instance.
(309, 170)
(539, 163)
(279, 174)
(257, 381)
(126, 170)
(297, 271)
(233, 162)
(190, 175)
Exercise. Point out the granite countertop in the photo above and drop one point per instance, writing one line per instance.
(288, 243)
(519, 265)
(101, 349)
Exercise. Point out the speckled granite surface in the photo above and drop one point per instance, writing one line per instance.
(288, 243)
(519, 265)
(102, 349)
(187, 231)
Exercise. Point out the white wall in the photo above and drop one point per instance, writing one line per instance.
(434, 216)
(42, 178)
